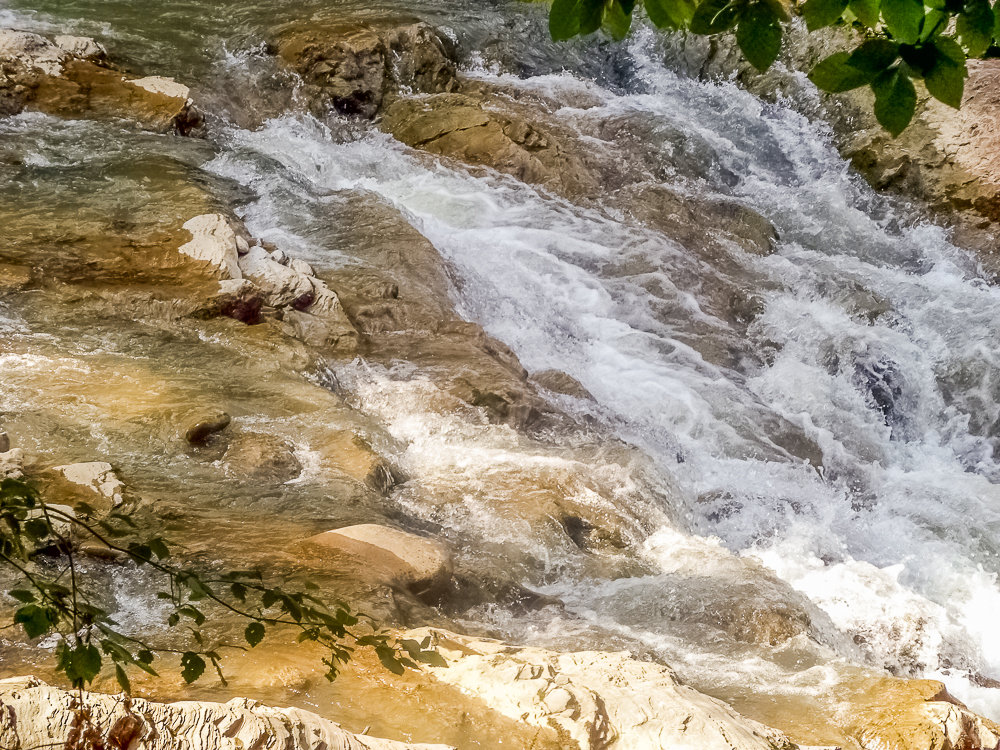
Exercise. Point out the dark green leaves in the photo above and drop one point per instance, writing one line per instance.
(874, 56)
(820, 13)
(192, 666)
(254, 633)
(946, 79)
(895, 100)
(715, 16)
(35, 620)
(835, 75)
(80, 663)
(569, 18)
(670, 14)
(975, 27)
(904, 19)
(759, 35)
(618, 20)
(866, 11)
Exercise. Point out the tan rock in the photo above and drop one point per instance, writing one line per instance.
(353, 456)
(97, 476)
(12, 464)
(82, 47)
(558, 381)
(4, 442)
(352, 67)
(213, 240)
(37, 715)
(205, 426)
(420, 564)
(32, 51)
(261, 458)
(595, 700)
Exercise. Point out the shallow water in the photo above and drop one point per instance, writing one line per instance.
(872, 344)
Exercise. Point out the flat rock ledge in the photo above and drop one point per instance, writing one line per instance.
(33, 715)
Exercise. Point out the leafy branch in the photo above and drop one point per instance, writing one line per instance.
(905, 40)
(38, 543)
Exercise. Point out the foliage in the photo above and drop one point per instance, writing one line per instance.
(904, 40)
(37, 542)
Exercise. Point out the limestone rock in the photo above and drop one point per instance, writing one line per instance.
(36, 715)
(595, 700)
(213, 240)
(12, 464)
(353, 456)
(351, 68)
(70, 77)
(261, 458)
(97, 476)
(896, 714)
(422, 565)
(82, 47)
(238, 299)
(206, 426)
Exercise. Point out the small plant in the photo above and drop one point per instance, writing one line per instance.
(906, 40)
(38, 540)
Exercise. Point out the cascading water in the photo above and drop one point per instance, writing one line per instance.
(870, 341)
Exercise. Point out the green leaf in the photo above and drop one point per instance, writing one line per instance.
(946, 80)
(159, 548)
(670, 14)
(192, 666)
(820, 13)
(84, 664)
(387, 656)
(144, 657)
(239, 591)
(254, 633)
(895, 100)
(759, 35)
(904, 19)
(616, 21)
(874, 56)
(835, 75)
(122, 678)
(715, 16)
(866, 11)
(569, 18)
(35, 620)
(37, 529)
(193, 612)
(21, 595)
(975, 27)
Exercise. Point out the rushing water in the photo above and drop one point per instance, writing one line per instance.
(873, 337)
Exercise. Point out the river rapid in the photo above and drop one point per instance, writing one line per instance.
(794, 493)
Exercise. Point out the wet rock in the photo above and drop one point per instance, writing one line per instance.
(213, 240)
(355, 457)
(558, 381)
(84, 48)
(238, 299)
(12, 464)
(70, 77)
(97, 476)
(458, 126)
(13, 278)
(261, 458)
(594, 700)
(352, 68)
(201, 430)
(4, 442)
(38, 715)
(421, 565)
(918, 714)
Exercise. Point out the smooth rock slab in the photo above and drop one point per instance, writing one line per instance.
(34, 715)
(97, 476)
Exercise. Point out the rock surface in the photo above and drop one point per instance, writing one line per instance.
(422, 565)
(261, 458)
(70, 77)
(12, 464)
(36, 715)
(98, 476)
(352, 67)
(595, 700)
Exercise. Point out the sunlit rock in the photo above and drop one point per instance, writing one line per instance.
(420, 564)
(213, 240)
(97, 476)
(595, 700)
(205, 426)
(353, 67)
(38, 715)
(12, 463)
(254, 456)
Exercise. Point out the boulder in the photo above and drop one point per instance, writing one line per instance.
(892, 714)
(213, 240)
(236, 298)
(12, 464)
(353, 456)
(36, 715)
(352, 67)
(205, 426)
(4, 442)
(558, 381)
(594, 700)
(70, 77)
(261, 458)
(421, 565)
(97, 476)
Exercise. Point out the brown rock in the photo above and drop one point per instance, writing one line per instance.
(261, 458)
(558, 381)
(353, 67)
(421, 565)
(201, 430)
